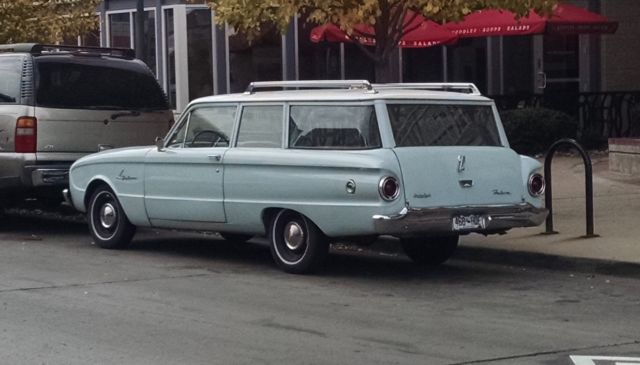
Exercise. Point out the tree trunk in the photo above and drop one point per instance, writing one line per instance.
(387, 68)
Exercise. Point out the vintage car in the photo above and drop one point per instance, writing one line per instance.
(317, 162)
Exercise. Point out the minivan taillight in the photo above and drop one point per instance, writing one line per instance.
(26, 135)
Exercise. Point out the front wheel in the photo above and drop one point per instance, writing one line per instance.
(108, 224)
(430, 251)
(297, 244)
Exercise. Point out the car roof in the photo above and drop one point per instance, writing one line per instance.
(348, 95)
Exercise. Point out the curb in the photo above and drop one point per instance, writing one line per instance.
(537, 260)
(547, 261)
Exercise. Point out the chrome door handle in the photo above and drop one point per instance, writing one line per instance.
(215, 157)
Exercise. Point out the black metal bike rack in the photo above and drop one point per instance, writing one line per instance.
(588, 177)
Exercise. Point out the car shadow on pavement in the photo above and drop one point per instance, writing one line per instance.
(215, 254)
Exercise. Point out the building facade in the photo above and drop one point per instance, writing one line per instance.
(193, 57)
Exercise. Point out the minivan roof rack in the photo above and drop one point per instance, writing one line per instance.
(36, 48)
(311, 84)
(464, 87)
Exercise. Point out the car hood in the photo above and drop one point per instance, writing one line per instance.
(125, 155)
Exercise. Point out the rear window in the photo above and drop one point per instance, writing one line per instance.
(97, 86)
(10, 77)
(333, 127)
(443, 125)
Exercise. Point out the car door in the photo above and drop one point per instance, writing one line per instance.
(183, 180)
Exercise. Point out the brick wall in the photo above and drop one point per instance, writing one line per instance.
(621, 51)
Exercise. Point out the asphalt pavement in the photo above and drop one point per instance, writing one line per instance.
(189, 298)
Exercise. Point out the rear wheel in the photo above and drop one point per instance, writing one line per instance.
(108, 224)
(430, 251)
(297, 244)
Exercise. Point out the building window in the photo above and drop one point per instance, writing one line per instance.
(199, 48)
(467, 62)
(120, 30)
(170, 57)
(317, 61)
(422, 64)
(357, 64)
(259, 61)
(149, 56)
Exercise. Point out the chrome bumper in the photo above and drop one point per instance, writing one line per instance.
(66, 194)
(50, 176)
(497, 218)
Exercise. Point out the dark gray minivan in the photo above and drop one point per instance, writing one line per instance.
(58, 103)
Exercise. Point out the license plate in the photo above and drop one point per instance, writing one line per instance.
(466, 222)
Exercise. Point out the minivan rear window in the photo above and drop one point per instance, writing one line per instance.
(96, 86)
(443, 125)
(333, 127)
(10, 78)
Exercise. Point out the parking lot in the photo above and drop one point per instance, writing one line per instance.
(193, 298)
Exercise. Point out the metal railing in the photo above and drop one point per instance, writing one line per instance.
(588, 178)
(598, 114)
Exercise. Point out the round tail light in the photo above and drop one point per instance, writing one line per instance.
(536, 185)
(389, 188)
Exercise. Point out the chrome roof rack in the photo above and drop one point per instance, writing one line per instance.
(464, 87)
(36, 48)
(311, 84)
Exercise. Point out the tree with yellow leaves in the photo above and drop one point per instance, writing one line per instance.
(386, 17)
(46, 21)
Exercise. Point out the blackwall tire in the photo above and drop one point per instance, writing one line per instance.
(108, 224)
(297, 244)
(430, 251)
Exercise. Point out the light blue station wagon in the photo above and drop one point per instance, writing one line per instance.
(318, 162)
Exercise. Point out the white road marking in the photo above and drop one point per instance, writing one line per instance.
(591, 360)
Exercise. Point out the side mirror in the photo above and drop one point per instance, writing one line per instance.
(160, 144)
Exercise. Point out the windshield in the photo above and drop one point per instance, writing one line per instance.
(443, 125)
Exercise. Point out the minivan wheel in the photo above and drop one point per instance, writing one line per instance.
(297, 244)
(430, 251)
(108, 224)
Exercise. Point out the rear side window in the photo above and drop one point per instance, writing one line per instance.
(96, 86)
(333, 127)
(261, 126)
(443, 125)
(10, 77)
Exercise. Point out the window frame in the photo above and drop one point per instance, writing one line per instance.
(489, 103)
(285, 117)
(374, 104)
(185, 119)
(20, 59)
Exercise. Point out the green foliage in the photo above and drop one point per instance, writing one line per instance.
(532, 130)
(46, 21)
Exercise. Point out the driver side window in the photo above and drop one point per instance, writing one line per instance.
(206, 127)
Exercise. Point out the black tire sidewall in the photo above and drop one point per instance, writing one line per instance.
(430, 251)
(124, 229)
(317, 246)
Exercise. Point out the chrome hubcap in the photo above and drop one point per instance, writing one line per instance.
(108, 216)
(293, 236)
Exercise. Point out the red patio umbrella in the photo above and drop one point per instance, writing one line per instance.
(421, 33)
(570, 19)
(565, 19)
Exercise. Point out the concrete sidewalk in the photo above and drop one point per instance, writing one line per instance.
(616, 217)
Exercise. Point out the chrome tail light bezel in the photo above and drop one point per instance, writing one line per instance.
(543, 186)
(381, 188)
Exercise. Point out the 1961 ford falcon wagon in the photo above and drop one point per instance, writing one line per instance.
(320, 161)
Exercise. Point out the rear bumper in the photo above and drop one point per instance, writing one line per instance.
(48, 175)
(497, 218)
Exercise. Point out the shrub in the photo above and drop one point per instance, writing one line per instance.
(532, 130)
